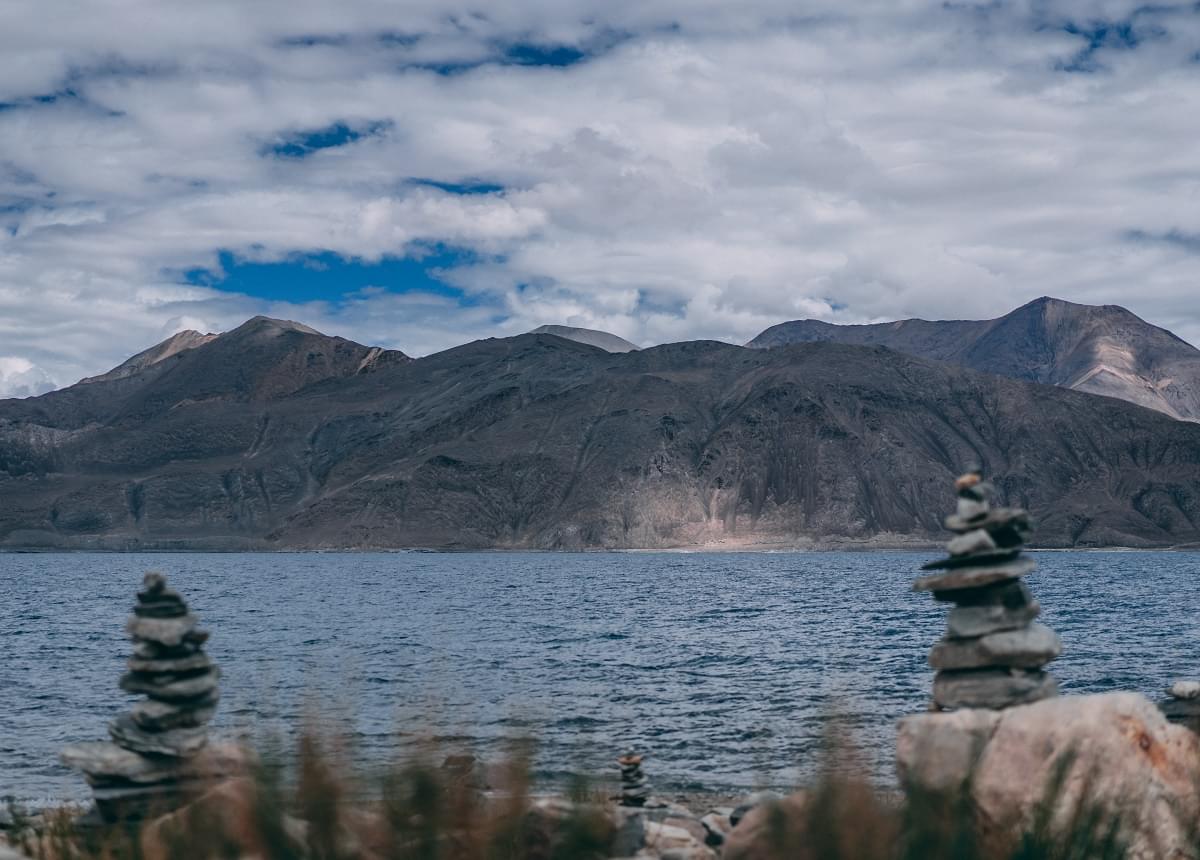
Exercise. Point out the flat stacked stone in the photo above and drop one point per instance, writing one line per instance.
(993, 651)
(155, 751)
(1183, 704)
(635, 788)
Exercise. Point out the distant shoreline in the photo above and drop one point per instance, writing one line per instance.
(697, 550)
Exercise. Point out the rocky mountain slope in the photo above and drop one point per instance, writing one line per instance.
(602, 339)
(271, 436)
(1102, 350)
(160, 352)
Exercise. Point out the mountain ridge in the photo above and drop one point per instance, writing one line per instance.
(540, 442)
(1099, 349)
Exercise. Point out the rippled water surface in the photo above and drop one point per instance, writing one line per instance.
(721, 666)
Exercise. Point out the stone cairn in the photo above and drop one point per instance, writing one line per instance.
(154, 758)
(635, 788)
(993, 651)
(1183, 706)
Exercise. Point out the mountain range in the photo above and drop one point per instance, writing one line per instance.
(274, 436)
(1101, 350)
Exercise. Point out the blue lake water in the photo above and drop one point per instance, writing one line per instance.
(722, 667)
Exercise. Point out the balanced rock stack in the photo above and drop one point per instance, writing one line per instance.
(635, 788)
(1183, 706)
(993, 651)
(154, 757)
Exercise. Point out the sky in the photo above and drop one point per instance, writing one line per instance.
(419, 174)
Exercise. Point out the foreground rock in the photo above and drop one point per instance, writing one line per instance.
(155, 758)
(1116, 751)
(766, 826)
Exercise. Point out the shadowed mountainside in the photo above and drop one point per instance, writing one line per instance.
(1101, 350)
(272, 436)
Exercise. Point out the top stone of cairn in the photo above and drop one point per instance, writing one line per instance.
(993, 651)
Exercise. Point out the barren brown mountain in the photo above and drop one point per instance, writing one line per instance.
(274, 436)
(1102, 350)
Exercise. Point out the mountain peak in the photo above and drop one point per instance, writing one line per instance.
(1099, 349)
(271, 325)
(592, 337)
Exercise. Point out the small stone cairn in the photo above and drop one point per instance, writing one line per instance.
(635, 788)
(993, 651)
(154, 757)
(1183, 704)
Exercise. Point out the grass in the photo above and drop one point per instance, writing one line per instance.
(313, 809)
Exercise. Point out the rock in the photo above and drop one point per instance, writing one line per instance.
(717, 828)
(1119, 752)
(1012, 592)
(170, 632)
(178, 742)
(144, 650)
(171, 688)
(766, 827)
(1027, 647)
(103, 761)
(991, 688)
(631, 831)
(7, 853)
(936, 752)
(162, 716)
(995, 520)
(224, 821)
(689, 823)
(189, 663)
(675, 843)
(161, 609)
(977, 541)
(1185, 690)
(754, 800)
(970, 510)
(962, 578)
(965, 622)
(550, 821)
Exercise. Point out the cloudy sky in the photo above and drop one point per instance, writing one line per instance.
(420, 173)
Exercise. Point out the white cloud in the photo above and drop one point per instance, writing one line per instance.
(710, 169)
(19, 377)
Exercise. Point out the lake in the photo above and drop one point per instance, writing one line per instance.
(721, 667)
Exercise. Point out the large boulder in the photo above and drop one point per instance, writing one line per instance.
(1114, 752)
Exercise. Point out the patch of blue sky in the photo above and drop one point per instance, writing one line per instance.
(1125, 34)
(528, 54)
(329, 277)
(467, 186)
(42, 100)
(301, 144)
